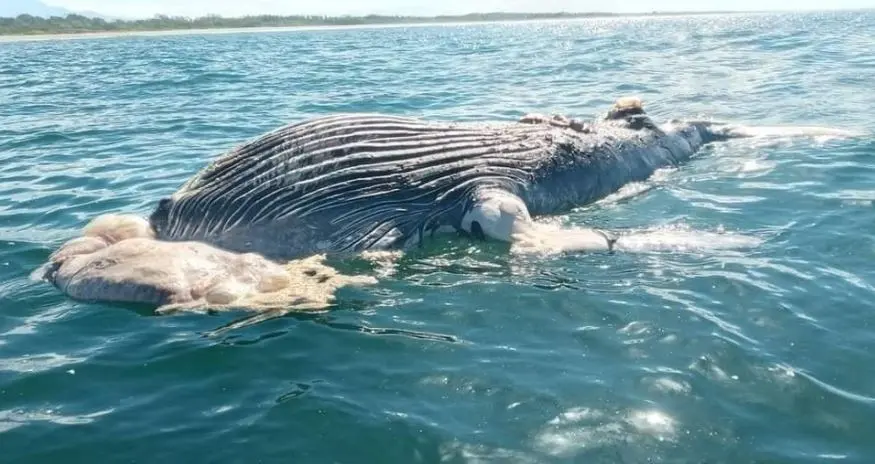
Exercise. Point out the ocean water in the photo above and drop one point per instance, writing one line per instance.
(463, 352)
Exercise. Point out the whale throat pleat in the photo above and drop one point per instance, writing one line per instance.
(367, 175)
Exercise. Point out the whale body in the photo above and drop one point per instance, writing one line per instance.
(354, 182)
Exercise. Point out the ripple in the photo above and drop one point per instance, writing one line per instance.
(669, 385)
(11, 419)
(579, 429)
(857, 398)
(37, 363)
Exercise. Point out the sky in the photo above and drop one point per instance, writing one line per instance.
(194, 8)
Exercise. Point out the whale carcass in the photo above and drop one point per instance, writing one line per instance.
(354, 182)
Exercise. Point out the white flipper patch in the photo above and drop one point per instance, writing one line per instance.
(504, 216)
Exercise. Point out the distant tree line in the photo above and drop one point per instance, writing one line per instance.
(74, 23)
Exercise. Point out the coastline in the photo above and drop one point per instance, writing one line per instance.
(424, 22)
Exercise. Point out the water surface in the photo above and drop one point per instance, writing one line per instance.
(463, 352)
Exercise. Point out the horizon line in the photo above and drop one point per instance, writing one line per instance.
(90, 14)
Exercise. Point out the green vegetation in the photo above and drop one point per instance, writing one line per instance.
(72, 24)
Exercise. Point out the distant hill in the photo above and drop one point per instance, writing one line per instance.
(32, 7)
(75, 24)
(13, 8)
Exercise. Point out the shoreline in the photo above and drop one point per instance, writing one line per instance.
(377, 25)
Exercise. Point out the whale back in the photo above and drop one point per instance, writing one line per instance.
(348, 182)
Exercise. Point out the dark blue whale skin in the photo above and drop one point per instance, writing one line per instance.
(355, 182)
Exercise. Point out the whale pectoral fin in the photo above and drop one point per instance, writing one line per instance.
(496, 215)
(503, 216)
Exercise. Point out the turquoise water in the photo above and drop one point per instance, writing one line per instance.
(463, 352)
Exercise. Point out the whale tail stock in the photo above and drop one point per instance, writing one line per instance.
(725, 131)
(631, 111)
(719, 131)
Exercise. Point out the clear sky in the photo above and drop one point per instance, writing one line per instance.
(145, 8)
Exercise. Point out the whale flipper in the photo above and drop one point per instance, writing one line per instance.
(503, 216)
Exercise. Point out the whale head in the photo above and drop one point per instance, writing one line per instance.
(98, 234)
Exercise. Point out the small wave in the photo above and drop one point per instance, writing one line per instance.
(37, 362)
(749, 167)
(839, 392)
(626, 192)
(31, 324)
(479, 453)
(11, 419)
(579, 428)
(634, 189)
(849, 196)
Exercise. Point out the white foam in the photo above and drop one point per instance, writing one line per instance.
(385, 261)
(548, 239)
(38, 274)
(679, 238)
(820, 133)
